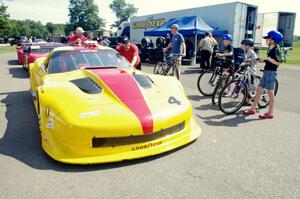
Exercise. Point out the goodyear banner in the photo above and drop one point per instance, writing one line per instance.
(149, 23)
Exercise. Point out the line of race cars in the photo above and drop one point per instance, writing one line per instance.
(28, 52)
(94, 107)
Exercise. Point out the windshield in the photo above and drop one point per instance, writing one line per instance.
(72, 60)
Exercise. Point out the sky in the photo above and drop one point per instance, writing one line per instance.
(56, 11)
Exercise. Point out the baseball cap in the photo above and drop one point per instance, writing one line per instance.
(79, 30)
(125, 40)
(175, 26)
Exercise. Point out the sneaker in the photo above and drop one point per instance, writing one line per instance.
(266, 116)
(249, 112)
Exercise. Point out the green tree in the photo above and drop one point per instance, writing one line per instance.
(3, 19)
(84, 13)
(55, 29)
(122, 10)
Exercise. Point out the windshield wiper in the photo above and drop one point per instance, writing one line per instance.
(100, 67)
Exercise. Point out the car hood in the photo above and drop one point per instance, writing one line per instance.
(133, 100)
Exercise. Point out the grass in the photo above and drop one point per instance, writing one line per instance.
(7, 49)
(293, 56)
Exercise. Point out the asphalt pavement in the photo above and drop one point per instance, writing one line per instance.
(236, 156)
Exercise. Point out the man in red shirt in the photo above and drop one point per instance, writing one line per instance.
(131, 52)
(78, 38)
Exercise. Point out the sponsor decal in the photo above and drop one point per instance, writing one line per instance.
(88, 51)
(50, 123)
(149, 23)
(89, 114)
(146, 146)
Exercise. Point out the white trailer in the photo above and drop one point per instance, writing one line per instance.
(239, 19)
(284, 22)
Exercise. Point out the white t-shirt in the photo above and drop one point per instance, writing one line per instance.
(251, 56)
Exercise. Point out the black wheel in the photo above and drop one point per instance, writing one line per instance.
(176, 72)
(221, 83)
(276, 87)
(206, 83)
(160, 68)
(264, 98)
(232, 96)
(215, 95)
(156, 67)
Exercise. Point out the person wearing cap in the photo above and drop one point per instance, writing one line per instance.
(206, 46)
(228, 51)
(130, 51)
(268, 79)
(177, 45)
(78, 38)
(227, 39)
(249, 60)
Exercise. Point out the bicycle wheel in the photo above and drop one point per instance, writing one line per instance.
(215, 95)
(221, 83)
(176, 72)
(159, 68)
(232, 96)
(157, 65)
(264, 98)
(206, 83)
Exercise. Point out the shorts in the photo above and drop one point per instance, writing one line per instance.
(177, 59)
(268, 80)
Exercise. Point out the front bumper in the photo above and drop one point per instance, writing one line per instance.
(92, 155)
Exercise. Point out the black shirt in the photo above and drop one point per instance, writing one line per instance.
(275, 54)
(229, 49)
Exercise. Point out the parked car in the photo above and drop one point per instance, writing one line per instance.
(94, 108)
(31, 53)
(19, 40)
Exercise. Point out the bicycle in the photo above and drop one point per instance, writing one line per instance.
(161, 66)
(228, 76)
(235, 93)
(169, 67)
(210, 79)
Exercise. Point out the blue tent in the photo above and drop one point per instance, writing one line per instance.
(188, 26)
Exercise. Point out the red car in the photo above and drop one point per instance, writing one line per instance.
(20, 50)
(31, 53)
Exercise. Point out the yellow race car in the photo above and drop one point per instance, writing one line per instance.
(93, 107)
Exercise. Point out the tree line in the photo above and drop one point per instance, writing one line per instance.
(83, 13)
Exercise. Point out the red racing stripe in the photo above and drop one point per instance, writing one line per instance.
(124, 86)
